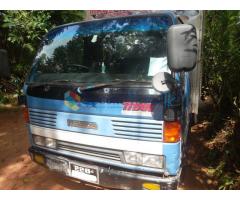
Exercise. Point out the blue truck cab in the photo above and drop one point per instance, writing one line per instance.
(108, 101)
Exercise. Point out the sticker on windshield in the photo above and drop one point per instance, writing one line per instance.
(71, 100)
(94, 39)
(157, 65)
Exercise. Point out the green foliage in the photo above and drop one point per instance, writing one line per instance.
(221, 75)
(66, 16)
(26, 27)
(221, 59)
(20, 33)
(3, 98)
(226, 180)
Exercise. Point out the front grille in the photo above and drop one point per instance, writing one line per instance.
(90, 152)
(138, 128)
(42, 118)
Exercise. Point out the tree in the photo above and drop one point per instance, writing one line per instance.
(21, 33)
(66, 16)
(221, 75)
(221, 60)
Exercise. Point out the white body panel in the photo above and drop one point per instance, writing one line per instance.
(148, 147)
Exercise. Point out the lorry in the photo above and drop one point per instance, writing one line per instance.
(109, 100)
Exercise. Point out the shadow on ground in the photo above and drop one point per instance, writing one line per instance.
(196, 172)
(17, 171)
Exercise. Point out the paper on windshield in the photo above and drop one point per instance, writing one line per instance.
(157, 65)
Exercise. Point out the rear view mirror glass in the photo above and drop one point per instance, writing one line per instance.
(182, 47)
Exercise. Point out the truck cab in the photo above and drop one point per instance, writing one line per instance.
(108, 101)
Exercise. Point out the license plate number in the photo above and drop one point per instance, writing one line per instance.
(84, 172)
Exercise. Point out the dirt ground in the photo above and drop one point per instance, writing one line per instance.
(17, 171)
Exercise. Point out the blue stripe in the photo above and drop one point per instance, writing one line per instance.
(94, 112)
(89, 108)
(84, 108)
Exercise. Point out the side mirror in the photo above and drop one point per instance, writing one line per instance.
(4, 67)
(182, 47)
(163, 82)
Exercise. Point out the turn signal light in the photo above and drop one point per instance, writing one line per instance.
(26, 114)
(172, 132)
(151, 186)
(39, 159)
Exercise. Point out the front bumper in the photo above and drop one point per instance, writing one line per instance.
(109, 176)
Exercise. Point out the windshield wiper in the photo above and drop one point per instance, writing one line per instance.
(89, 86)
(63, 81)
(115, 82)
(53, 82)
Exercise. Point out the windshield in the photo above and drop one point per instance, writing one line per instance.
(102, 51)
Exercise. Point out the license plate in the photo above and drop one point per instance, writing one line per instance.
(84, 172)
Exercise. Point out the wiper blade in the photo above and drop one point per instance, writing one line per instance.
(54, 82)
(86, 87)
(63, 81)
(115, 82)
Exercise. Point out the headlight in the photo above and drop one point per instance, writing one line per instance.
(50, 143)
(152, 161)
(38, 140)
(134, 158)
(45, 142)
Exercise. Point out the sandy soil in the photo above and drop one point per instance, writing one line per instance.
(17, 171)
